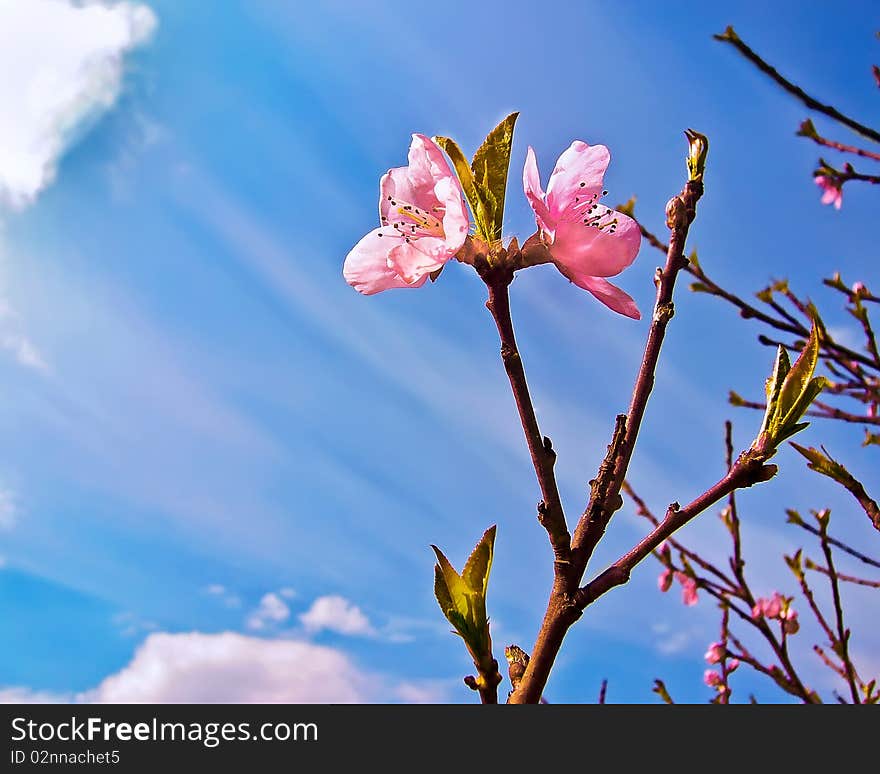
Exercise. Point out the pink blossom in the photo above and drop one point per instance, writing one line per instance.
(712, 678)
(732, 665)
(424, 223)
(664, 582)
(587, 241)
(833, 192)
(859, 288)
(715, 653)
(688, 589)
(771, 608)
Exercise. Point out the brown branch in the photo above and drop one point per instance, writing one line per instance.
(550, 511)
(562, 608)
(822, 410)
(747, 471)
(730, 36)
(833, 350)
(842, 648)
(839, 146)
(833, 541)
(845, 578)
(850, 174)
(643, 510)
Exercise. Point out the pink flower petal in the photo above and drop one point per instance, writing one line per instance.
(366, 266)
(712, 678)
(456, 220)
(413, 261)
(832, 191)
(598, 252)
(664, 581)
(715, 653)
(578, 172)
(535, 194)
(610, 295)
(427, 164)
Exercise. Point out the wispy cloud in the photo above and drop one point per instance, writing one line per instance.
(130, 624)
(8, 508)
(68, 63)
(16, 342)
(227, 597)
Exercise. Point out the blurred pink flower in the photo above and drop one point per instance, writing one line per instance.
(833, 193)
(732, 664)
(771, 608)
(664, 582)
(587, 241)
(688, 589)
(712, 678)
(424, 224)
(715, 653)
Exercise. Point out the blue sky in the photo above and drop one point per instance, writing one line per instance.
(207, 434)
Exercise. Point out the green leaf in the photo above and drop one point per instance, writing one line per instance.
(628, 208)
(457, 588)
(490, 166)
(807, 129)
(466, 178)
(442, 593)
(479, 564)
(781, 367)
(462, 598)
(799, 380)
(823, 464)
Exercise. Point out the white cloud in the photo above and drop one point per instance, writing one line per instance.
(22, 695)
(230, 667)
(272, 609)
(424, 692)
(8, 508)
(287, 592)
(61, 65)
(336, 614)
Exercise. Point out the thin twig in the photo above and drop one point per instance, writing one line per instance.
(842, 633)
(730, 36)
(550, 511)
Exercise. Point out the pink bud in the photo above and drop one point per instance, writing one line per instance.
(715, 653)
(790, 623)
(712, 678)
(732, 665)
(688, 591)
(664, 582)
(858, 288)
(758, 608)
(774, 606)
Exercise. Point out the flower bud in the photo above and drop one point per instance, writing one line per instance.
(715, 653)
(698, 147)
